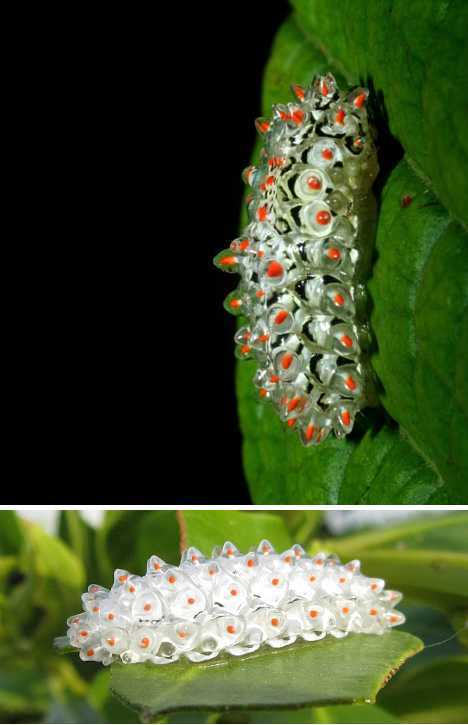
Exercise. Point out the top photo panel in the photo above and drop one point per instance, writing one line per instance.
(288, 323)
(349, 271)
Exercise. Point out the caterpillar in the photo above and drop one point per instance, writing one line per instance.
(301, 256)
(231, 602)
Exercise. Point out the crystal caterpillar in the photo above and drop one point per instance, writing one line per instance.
(230, 603)
(308, 242)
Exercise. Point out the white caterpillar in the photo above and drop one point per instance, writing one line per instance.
(231, 602)
(300, 258)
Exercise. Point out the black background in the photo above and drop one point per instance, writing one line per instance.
(124, 390)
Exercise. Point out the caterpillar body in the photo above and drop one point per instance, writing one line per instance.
(301, 257)
(232, 603)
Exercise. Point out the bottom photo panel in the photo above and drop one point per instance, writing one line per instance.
(226, 616)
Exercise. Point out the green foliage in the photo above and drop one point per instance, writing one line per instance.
(414, 450)
(321, 673)
(307, 682)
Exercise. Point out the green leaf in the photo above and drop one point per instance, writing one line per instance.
(331, 714)
(207, 529)
(109, 707)
(22, 692)
(419, 292)
(414, 55)
(331, 671)
(127, 539)
(11, 537)
(380, 467)
(51, 590)
(421, 333)
(434, 693)
(81, 538)
(427, 559)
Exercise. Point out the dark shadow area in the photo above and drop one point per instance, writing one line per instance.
(126, 392)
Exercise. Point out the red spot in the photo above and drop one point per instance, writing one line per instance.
(312, 578)
(333, 253)
(90, 653)
(346, 341)
(327, 154)
(244, 245)
(275, 582)
(231, 629)
(310, 430)
(360, 100)
(250, 563)
(280, 317)
(406, 201)
(123, 578)
(263, 392)
(323, 217)
(286, 361)
(291, 422)
(275, 622)
(228, 261)
(298, 91)
(292, 405)
(147, 608)
(313, 614)
(274, 378)
(84, 633)
(190, 600)
(345, 610)
(110, 616)
(234, 592)
(340, 117)
(314, 183)
(131, 589)
(298, 116)
(324, 89)
(270, 180)
(171, 579)
(234, 304)
(263, 338)
(262, 213)
(245, 349)
(182, 634)
(260, 254)
(339, 299)
(394, 619)
(262, 125)
(350, 383)
(373, 612)
(275, 269)
(345, 417)
(230, 552)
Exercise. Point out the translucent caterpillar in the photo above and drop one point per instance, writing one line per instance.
(300, 259)
(230, 603)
